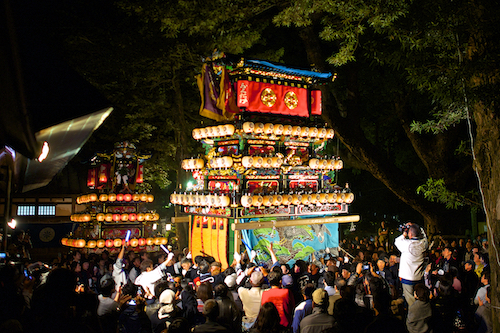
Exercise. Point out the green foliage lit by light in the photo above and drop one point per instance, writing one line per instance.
(435, 190)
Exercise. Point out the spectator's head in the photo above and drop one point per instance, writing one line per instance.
(315, 266)
(107, 285)
(130, 289)
(485, 277)
(186, 264)
(274, 279)
(211, 309)
(308, 290)
(380, 265)
(329, 278)
(256, 279)
(137, 262)
(285, 269)
(393, 259)
(340, 284)
(300, 267)
(215, 268)
(204, 291)
(414, 231)
(179, 325)
(320, 299)
(268, 319)
(220, 290)
(382, 303)
(204, 267)
(160, 287)
(421, 292)
(147, 265)
(469, 265)
(287, 281)
(447, 252)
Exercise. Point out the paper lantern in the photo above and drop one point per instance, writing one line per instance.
(100, 217)
(124, 217)
(278, 129)
(332, 197)
(296, 199)
(287, 199)
(349, 198)
(229, 129)
(277, 199)
(315, 198)
(136, 197)
(287, 130)
(132, 217)
(267, 162)
(109, 243)
(248, 127)
(80, 243)
(150, 198)
(91, 177)
(117, 217)
(142, 241)
(139, 179)
(117, 242)
(259, 128)
(313, 132)
(268, 128)
(257, 162)
(93, 197)
(257, 200)
(150, 241)
(268, 200)
(119, 197)
(127, 197)
(157, 241)
(64, 241)
(314, 163)
(112, 197)
(70, 242)
(91, 244)
(323, 164)
(339, 164)
(276, 162)
(225, 201)
(306, 199)
(144, 197)
(103, 197)
(304, 132)
(163, 241)
(134, 242)
(322, 133)
(148, 217)
(296, 130)
(140, 217)
(247, 161)
(330, 133)
(323, 198)
(86, 217)
(340, 198)
(108, 217)
(246, 201)
(100, 243)
(196, 134)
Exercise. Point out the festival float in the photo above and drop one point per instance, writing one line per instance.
(265, 177)
(115, 205)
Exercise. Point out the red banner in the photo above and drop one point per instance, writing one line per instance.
(316, 102)
(272, 98)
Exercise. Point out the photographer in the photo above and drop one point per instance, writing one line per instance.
(412, 244)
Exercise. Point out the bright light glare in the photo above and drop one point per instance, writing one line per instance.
(45, 152)
(12, 224)
(155, 226)
(168, 227)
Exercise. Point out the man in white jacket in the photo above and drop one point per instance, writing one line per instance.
(151, 275)
(412, 244)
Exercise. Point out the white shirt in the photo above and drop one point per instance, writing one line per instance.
(412, 257)
(148, 279)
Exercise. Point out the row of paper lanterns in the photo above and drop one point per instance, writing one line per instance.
(117, 242)
(259, 200)
(288, 130)
(116, 217)
(333, 164)
(94, 197)
(213, 132)
(295, 199)
(261, 128)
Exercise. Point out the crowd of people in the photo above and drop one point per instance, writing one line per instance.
(369, 285)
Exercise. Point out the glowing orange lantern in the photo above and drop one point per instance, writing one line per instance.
(117, 242)
(140, 172)
(93, 197)
(140, 217)
(132, 217)
(148, 217)
(150, 241)
(144, 197)
(127, 197)
(134, 242)
(163, 241)
(124, 217)
(136, 197)
(100, 243)
(142, 241)
(91, 177)
(112, 197)
(108, 217)
(100, 217)
(119, 197)
(103, 197)
(150, 198)
(64, 241)
(91, 244)
(117, 217)
(157, 241)
(109, 243)
(80, 243)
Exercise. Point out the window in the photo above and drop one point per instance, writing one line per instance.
(47, 210)
(25, 210)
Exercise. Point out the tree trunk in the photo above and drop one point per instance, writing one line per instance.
(486, 164)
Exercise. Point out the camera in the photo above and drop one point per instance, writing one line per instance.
(366, 266)
(403, 228)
